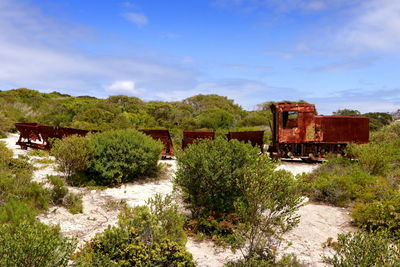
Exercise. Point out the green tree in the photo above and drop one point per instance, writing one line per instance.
(347, 112)
(378, 119)
(215, 118)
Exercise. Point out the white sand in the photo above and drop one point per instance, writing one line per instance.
(318, 222)
(297, 167)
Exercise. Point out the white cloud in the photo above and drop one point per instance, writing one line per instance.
(376, 26)
(137, 18)
(125, 87)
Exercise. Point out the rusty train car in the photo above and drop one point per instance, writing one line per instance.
(298, 132)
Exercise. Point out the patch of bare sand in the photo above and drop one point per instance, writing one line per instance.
(317, 224)
(297, 167)
(99, 208)
(11, 141)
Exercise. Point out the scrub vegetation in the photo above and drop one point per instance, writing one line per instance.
(235, 196)
(369, 187)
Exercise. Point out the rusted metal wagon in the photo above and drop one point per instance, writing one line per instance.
(298, 132)
(189, 137)
(29, 135)
(35, 135)
(256, 138)
(164, 137)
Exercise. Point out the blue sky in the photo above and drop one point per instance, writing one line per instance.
(334, 53)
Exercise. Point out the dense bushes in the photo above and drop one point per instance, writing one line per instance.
(379, 214)
(236, 195)
(369, 185)
(341, 181)
(20, 198)
(23, 240)
(73, 154)
(122, 156)
(365, 249)
(210, 173)
(145, 236)
(107, 158)
(33, 244)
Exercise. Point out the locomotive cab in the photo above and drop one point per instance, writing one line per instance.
(298, 132)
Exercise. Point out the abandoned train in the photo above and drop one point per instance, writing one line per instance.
(298, 132)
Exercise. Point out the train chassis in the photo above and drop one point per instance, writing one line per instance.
(306, 151)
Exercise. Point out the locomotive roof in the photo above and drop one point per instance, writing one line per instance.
(293, 106)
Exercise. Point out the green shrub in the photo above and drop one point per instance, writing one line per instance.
(340, 181)
(59, 191)
(267, 205)
(219, 227)
(122, 156)
(20, 165)
(145, 236)
(73, 202)
(38, 153)
(15, 211)
(365, 249)
(5, 155)
(287, 260)
(20, 198)
(72, 153)
(379, 214)
(60, 195)
(209, 174)
(374, 158)
(33, 244)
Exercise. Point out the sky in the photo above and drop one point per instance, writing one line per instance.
(333, 53)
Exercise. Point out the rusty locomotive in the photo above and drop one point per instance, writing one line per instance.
(298, 132)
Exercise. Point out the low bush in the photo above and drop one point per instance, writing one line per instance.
(209, 174)
(72, 153)
(73, 202)
(122, 156)
(37, 153)
(365, 249)
(59, 191)
(219, 227)
(374, 158)
(33, 244)
(20, 198)
(60, 195)
(5, 155)
(379, 214)
(149, 235)
(287, 260)
(341, 181)
(267, 208)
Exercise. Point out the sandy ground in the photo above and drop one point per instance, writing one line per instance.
(297, 167)
(318, 222)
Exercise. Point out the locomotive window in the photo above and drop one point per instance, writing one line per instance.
(290, 119)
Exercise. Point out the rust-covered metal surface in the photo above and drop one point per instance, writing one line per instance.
(342, 129)
(191, 136)
(288, 129)
(256, 138)
(35, 135)
(164, 137)
(297, 130)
